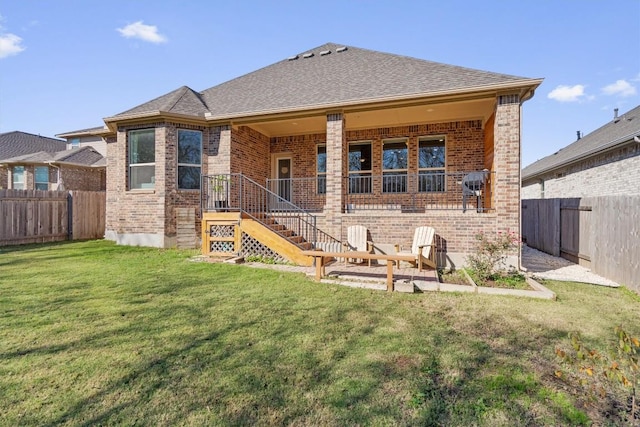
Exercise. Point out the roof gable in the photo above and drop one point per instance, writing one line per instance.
(609, 135)
(183, 100)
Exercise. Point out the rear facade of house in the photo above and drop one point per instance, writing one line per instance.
(288, 157)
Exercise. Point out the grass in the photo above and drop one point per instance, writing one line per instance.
(93, 333)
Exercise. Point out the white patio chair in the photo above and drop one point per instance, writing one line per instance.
(357, 240)
(423, 247)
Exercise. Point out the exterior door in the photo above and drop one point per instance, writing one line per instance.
(281, 183)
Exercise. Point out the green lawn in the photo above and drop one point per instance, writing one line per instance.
(93, 333)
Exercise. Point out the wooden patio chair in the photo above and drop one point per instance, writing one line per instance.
(357, 240)
(423, 247)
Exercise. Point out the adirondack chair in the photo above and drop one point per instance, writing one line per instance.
(357, 241)
(423, 247)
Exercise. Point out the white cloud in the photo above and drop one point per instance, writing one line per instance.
(138, 30)
(621, 88)
(10, 44)
(564, 93)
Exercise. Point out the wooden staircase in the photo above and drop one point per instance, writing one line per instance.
(222, 236)
(257, 221)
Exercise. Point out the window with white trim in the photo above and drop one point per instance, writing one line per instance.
(321, 169)
(142, 158)
(17, 178)
(360, 167)
(74, 143)
(431, 164)
(395, 155)
(189, 159)
(42, 177)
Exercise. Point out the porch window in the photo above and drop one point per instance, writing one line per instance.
(431, 164)
(321, 169)
(142, 158)
(360, 167)
(189, 159)
(394, 166)
(42, 177)
(17, 178)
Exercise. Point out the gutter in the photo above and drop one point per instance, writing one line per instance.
(527, 88)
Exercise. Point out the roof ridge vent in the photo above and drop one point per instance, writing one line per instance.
(307, 55)
(341, 49)
(325, 52)
(293, 58)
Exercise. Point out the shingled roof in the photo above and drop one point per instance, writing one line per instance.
(82, 156)
(616, 132)
(18, 143)
(327, 75)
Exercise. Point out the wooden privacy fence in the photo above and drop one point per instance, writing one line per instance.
(32, 216)
(601, 233)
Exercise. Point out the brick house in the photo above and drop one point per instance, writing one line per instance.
(605, 162)
(75, 169)
(31, 162)
(290, 155)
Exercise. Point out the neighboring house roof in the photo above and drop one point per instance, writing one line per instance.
(18, 143)
(618, 131)
(94, 131)
(82, 156)
(325, 76)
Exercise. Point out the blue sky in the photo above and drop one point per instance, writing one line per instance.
(64, 65)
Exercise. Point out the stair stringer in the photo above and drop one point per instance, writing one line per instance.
(274, 241)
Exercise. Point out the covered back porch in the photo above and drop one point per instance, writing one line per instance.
(452, 164)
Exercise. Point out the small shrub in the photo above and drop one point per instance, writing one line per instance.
(489, 254)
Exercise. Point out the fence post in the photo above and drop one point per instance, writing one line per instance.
(556, 226)
(70, 216)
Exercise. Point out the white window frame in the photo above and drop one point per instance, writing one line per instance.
(132, 165)
(191, 165)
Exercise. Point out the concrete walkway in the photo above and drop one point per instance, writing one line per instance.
(544, 266)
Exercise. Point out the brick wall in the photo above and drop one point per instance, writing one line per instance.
(4, 177)
(148, 216)
(76, 178)
(250, 154)
(507, 166)
(608, 174)
(73, 177)
(135, 216)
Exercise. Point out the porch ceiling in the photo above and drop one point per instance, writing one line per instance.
(379, 116)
